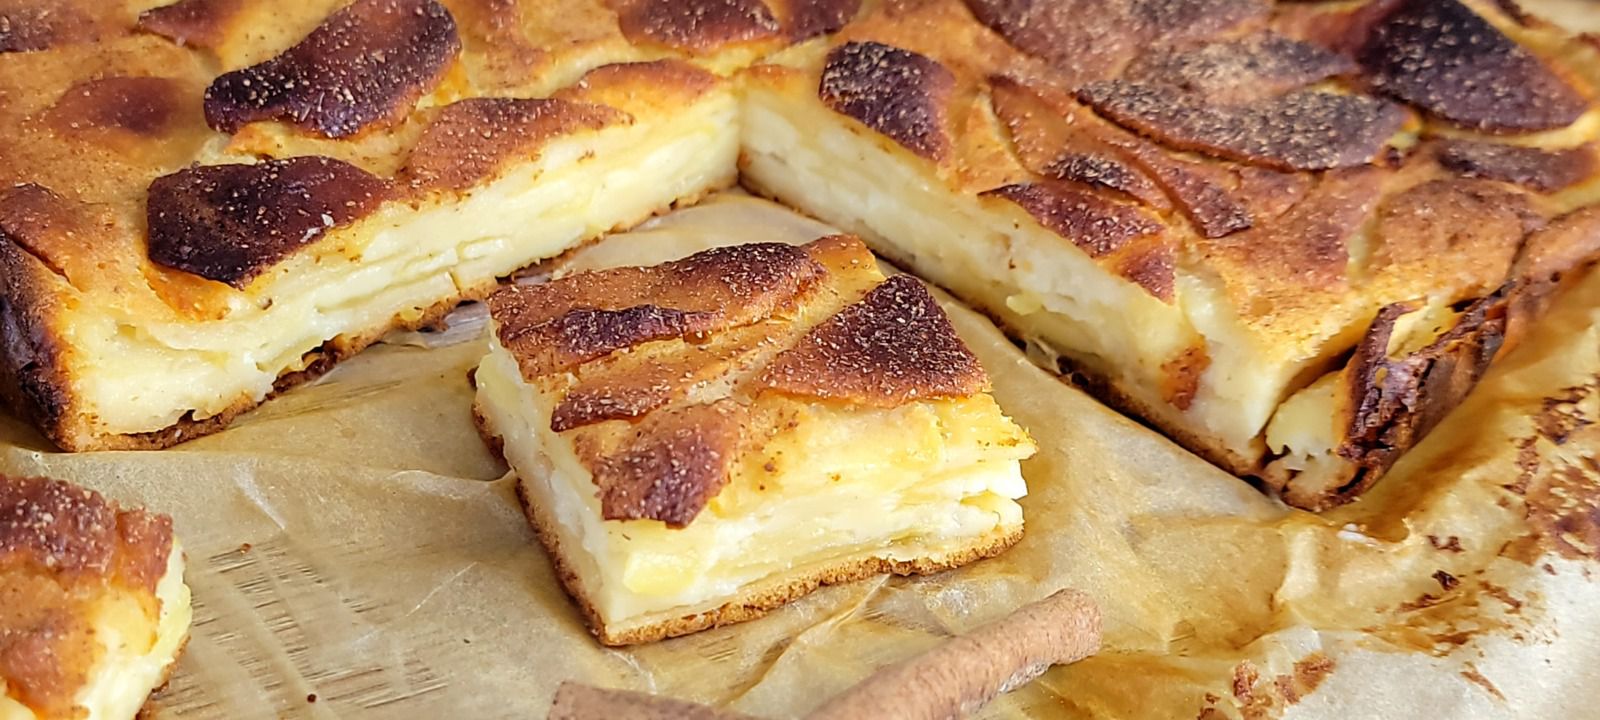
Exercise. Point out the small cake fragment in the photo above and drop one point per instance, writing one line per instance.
(704, 440)
(93, 607)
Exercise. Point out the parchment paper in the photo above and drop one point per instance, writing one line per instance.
(353, 542)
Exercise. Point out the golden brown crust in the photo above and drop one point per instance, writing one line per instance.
(140, 106)
(1443, 58)
(64, 550)
(805, 19)
(377, 57)
(753, 601)
(1449, 232)
(202, 23)
(658, 85)
(697, 26)
(474, 139)
(232, 223)
(892, 347)
(573, 320)
(899, 93)
(1278, 273)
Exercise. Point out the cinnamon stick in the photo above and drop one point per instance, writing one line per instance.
(959, 676)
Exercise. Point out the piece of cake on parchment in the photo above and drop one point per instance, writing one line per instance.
(704, 440)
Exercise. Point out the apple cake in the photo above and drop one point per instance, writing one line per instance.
(700, 441)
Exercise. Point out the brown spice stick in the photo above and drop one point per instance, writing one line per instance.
(963, 674)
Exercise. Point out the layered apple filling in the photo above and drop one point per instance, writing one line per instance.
(814, 426)
(396, 265)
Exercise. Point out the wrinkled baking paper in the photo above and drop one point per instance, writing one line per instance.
(353, 541)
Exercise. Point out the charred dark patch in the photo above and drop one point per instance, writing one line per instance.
(1234, 71)
(633, 386)
(695, 25)
(1086, 150)
(198, 23)
(366, 65)
(1441, 57)
(144, 106)
(572, 320)
(896, 92)
(1397, 401)
(1203, 200)
(1537, 169)
(1546, 262)
(1096, 224)
(1189, 19)
(1087, 40)
(1105, 172)
(803, 19)
(588, 406)
(583, 334)
(893, 346)
(474, 139)
(1083, 39)
(1342, 28)
(231, 223)
(1303, 130)
(670, 466)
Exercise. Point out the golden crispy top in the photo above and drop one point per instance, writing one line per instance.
(664, 377)
(65, 553)
(1279, 154)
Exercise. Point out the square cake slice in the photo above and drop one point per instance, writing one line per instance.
(704, 440)
(94, 611)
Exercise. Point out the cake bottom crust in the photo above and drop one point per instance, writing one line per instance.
(752, 601)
